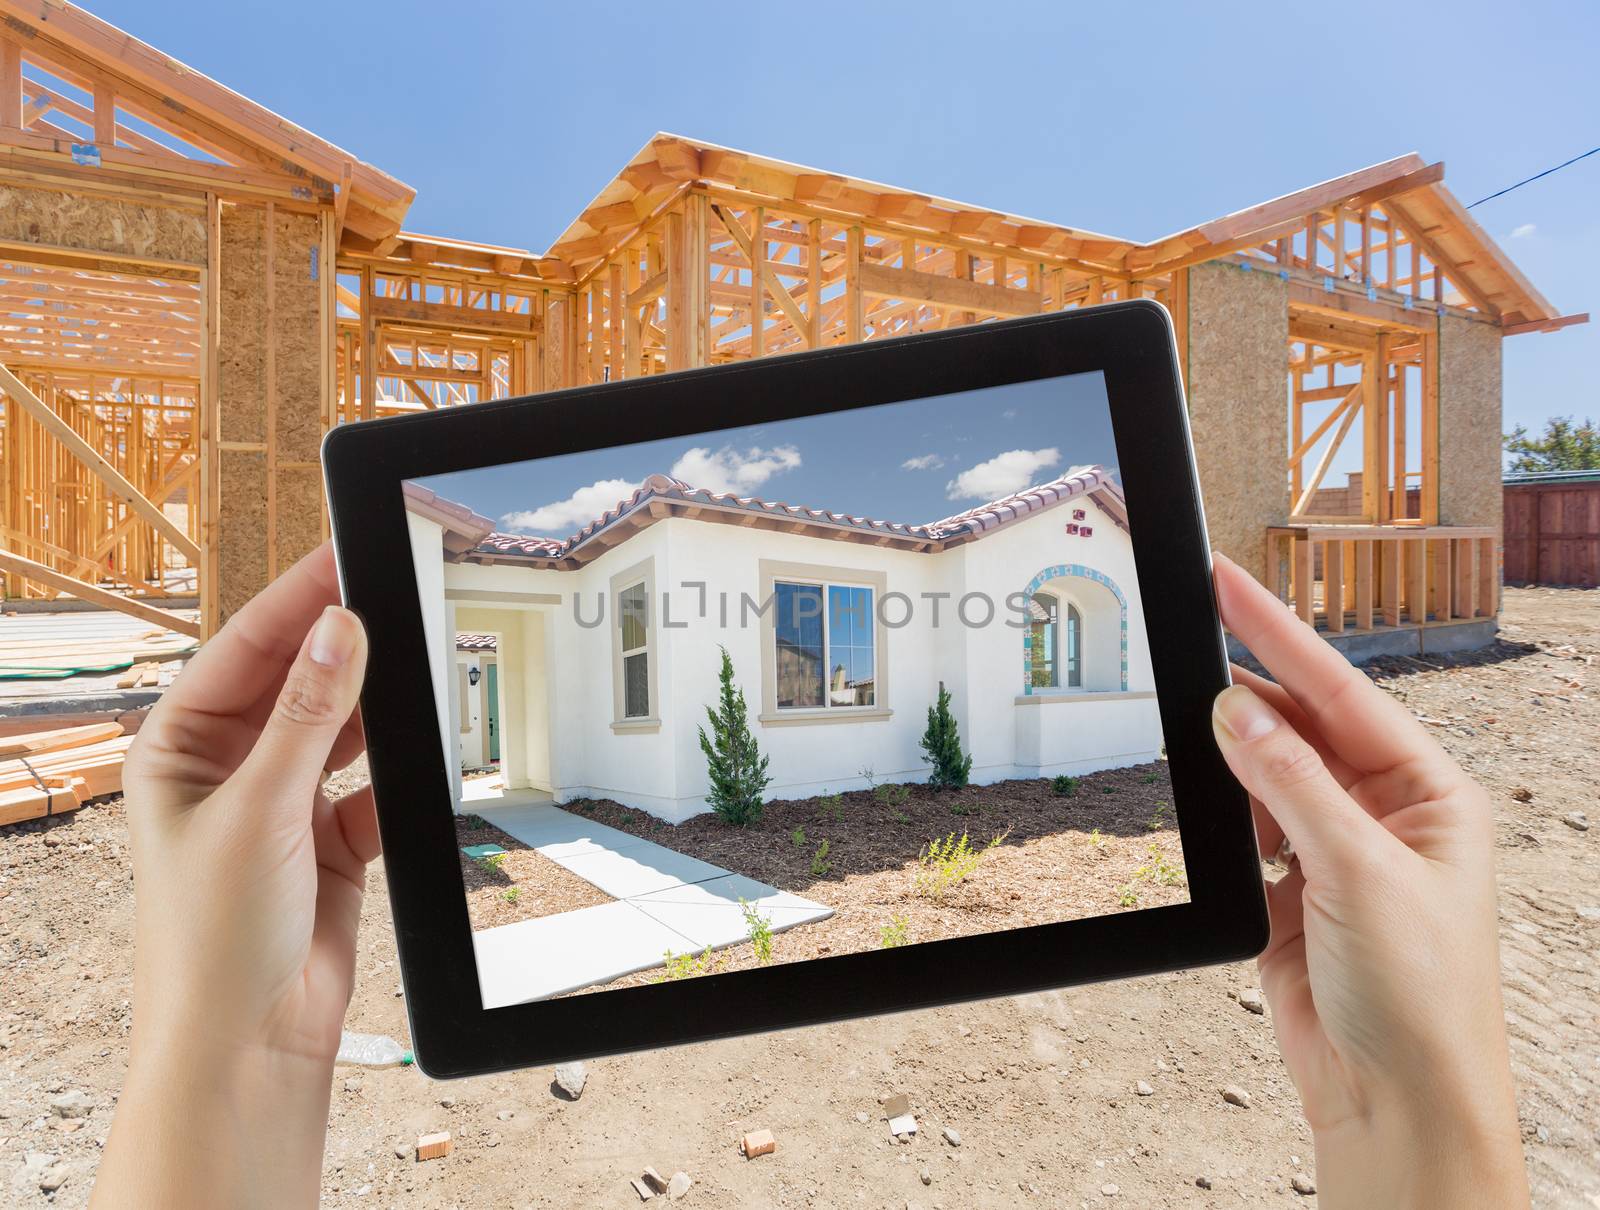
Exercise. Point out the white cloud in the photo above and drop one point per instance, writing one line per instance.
(1524, 231)
(1009, 414)
(564, 517)
(1001, 475)
(922, 462)
(731, 470)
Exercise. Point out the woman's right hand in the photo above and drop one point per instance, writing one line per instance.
(1383, 969)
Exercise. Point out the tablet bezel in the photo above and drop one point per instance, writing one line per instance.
(1132, 344)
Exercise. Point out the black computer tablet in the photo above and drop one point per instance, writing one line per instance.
(791, 690)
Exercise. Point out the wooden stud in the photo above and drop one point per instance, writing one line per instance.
(1362, 550)
(1463, 556)
(10, 84)
(855, 309)
(1428, 440)
(1304, 585)
(1333, 584)
(1488, 563)
(758, 283)
(270, 372)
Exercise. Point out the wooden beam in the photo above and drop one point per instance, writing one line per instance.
(854, 298)
(10, 84)
(454, 319)
(96, 462)
(40, 573)
(948, 292)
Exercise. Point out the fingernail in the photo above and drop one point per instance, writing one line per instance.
(1244, 715)
(333, 638)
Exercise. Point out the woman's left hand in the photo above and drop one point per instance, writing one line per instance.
(248, 883)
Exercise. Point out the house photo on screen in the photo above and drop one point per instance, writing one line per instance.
(845, 682)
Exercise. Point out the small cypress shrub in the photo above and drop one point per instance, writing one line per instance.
(942, 742)
(734, 764)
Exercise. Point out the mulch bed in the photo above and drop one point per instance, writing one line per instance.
(1063, 857)
(542, 887)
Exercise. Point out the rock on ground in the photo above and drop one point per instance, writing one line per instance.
(571, 1078)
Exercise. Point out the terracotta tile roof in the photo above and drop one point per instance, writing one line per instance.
(476, 642)
(1092, 481)
(464, 529)
(1080, 481)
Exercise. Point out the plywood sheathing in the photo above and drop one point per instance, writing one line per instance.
(1238, 350)
(1470, 491)
(241, 528)
(53, 220)
(270, 396)
(242, 347)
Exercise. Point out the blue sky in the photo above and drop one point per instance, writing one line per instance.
(911, 462)
(1132, 119)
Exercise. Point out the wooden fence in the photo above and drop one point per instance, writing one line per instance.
(1553, 533)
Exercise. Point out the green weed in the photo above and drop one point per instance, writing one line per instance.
(892, 795)
(760, 929)
(945, 863)
(894, 934)
(820, 864)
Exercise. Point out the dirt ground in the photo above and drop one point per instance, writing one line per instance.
(1043, 1090)
(1109, 844)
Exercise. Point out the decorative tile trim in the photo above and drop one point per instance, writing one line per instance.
(1061, 571)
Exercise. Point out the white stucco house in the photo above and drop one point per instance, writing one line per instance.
(597, 655)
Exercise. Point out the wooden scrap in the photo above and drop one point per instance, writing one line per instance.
(32, 743)
(99, 765)
(57, 796)
(135, 676)
(433, 1146)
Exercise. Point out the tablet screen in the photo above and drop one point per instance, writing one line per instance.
(872, 678)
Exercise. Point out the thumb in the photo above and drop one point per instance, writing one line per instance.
(318, 696)
(1328, 829)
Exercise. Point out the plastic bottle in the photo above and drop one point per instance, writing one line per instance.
(371, 1050)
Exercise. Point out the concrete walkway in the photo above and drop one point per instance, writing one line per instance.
(665, 900)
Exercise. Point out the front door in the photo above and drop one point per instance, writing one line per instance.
(493, 713)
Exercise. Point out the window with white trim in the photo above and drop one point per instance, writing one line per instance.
(633, 605)
(826, 649)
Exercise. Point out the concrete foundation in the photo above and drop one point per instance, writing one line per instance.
(1360, 646)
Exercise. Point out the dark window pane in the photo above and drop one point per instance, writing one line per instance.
(636, 686)
(798, 622)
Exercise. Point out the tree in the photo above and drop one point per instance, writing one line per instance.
(1565, 446)
(942, 742)
(737, 770)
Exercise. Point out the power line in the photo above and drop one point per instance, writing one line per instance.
(1535, 177)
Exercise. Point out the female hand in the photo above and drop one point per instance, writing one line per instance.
(1383, 970)
(248, 883)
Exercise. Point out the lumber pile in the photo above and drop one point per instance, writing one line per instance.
(29, 658)
(50, 772)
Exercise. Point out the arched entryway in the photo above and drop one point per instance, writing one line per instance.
(1076, 636)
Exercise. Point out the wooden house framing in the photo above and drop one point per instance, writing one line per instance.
(193, 289)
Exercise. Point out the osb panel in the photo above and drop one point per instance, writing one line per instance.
(241, 529)
(1238, 374)
(297, 359)
(114, 226)
(1469, 422)
(299, 500)
(242, 376)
